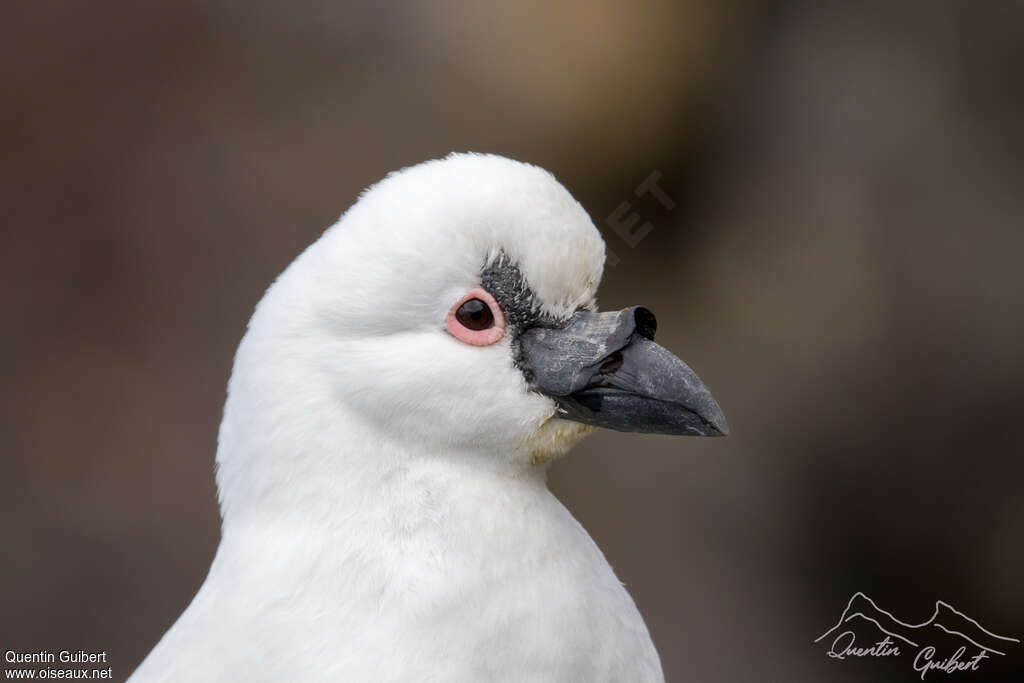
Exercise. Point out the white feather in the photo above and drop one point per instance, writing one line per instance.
(384, 518)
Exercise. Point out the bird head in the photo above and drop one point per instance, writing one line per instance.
(452, 310)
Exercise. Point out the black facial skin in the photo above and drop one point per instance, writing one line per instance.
(602, 369)
(506, 283)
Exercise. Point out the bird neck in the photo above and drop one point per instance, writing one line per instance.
(301, 464)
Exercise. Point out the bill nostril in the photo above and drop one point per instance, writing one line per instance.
(646, 323)
(611, 363)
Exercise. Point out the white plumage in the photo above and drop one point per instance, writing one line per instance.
(385, 517)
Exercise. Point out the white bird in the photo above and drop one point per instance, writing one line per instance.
(381, 462)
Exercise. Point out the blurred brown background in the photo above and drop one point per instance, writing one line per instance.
(842, 266)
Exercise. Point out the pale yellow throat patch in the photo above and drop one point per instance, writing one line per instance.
(554, 438)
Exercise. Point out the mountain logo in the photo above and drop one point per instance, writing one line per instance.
(949, 641)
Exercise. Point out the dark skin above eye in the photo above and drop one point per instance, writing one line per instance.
(475, 315)
(505, 282)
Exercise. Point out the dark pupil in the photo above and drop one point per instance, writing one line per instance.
(475, 315)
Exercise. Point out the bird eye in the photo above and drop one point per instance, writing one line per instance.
(475, 314)
(476, 318)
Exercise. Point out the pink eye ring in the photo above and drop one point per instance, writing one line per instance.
(476, 318)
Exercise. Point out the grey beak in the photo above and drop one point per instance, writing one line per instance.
(604, 369)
